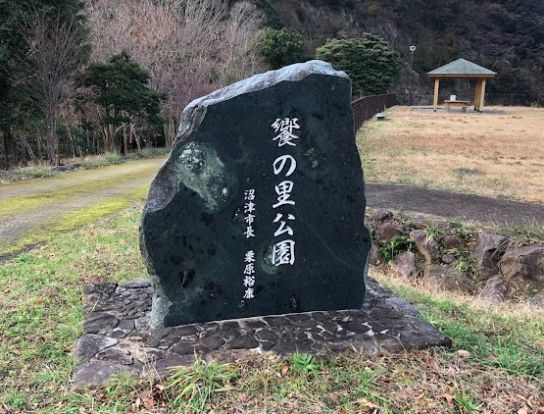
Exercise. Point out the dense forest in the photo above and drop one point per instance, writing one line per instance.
(86, 77)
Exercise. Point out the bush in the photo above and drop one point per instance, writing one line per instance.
(281, 47)
(370, 61)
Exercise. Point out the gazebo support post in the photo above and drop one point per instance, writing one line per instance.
(477, 91)
(479, 95)
(482, 95)
(435, 98)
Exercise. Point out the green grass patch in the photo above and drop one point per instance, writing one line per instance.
(78, 218)
(89, 163)
(41, 318)
(56, 194)
(498, 341)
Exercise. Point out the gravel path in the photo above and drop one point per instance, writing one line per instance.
(454, 205)
(121, 181)
(77, 178)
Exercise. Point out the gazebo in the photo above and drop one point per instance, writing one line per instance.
(463, 69)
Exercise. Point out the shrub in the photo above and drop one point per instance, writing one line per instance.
(370, 61)
(281, 47)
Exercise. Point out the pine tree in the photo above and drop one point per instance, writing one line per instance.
(120, 88)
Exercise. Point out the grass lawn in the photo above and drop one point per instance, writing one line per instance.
(493, 154)
(496, 365)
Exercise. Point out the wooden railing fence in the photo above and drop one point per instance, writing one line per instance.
(366, 107)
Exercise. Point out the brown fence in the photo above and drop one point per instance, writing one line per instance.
(366, 107)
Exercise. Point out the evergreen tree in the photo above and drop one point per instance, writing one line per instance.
(120, 88)
(281, 47)
(370, 61)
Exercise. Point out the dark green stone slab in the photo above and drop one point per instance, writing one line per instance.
(194, 232)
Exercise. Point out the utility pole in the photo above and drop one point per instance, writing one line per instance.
(411, 96)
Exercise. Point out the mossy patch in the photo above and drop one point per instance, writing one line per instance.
(51, 194)
(78, 218)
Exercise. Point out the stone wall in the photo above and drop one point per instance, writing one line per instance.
(457, 257)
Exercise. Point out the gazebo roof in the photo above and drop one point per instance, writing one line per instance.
(461, 68)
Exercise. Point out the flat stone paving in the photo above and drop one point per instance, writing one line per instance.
(117, 337)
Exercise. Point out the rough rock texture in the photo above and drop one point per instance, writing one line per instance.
(538, 300)
(445, 278)
(523, 267)
(97, 373)
(494, 291)
(384, 324)
(448, 259)
(288, 135)
(405, 264)
(373, 256)
(453, 241)
(487, 253)
(386, 231)
(383, 215)
(426, 246)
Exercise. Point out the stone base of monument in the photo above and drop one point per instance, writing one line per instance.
(117, 338)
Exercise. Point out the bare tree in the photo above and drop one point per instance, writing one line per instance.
(56, 50)
(190, 47)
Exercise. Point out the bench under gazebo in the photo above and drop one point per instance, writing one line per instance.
(462, 69)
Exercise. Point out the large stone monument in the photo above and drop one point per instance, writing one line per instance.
(256, 216)
(259, 208)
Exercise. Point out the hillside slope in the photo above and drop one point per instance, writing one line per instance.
(506, 36)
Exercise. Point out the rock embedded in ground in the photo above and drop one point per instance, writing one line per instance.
(265, 179)
(523, 267)
(383, 215)
(97, 373)
(446, 278)
(448, 259)
(425, 245)
(405, 264)
(487, 253)
(387, 231)
(89, 344)
(453, 241)
(538, 300)
(494, 291)
(373, 256)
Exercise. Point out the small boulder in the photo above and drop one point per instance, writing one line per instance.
(385, 232)
(373, 256)
(89, 345)
(405, 264)
(383, 215)
(487, 253)
(448, 259)
(97, 373)
(523, 267)
(453, 241)
(445, 278)
(538, 300)
(425, 245)
(494, 291)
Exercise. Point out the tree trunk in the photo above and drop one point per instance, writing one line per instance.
(10, 149)
(125, 139)
(30, 151)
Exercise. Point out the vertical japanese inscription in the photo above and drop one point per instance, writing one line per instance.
(249, 257)
(283, 251)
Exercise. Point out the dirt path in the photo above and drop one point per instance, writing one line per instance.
(31, 211)
(34, 210)
(454, 205)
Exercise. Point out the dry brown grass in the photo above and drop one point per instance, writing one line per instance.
(499, 155)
